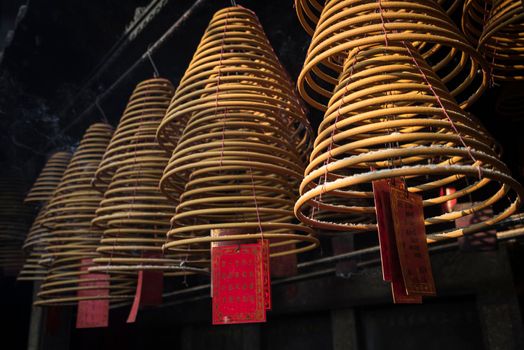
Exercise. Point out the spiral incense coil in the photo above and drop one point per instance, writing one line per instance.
(49, 178)
(145, 109)
(349, 24)
(34, 248)
(14, 222)
(496, 27)
(309, 11)
(70, 248)
(235, 61)
(390, 112)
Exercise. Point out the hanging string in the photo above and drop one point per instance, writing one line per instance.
(104, 117)
(155, 69)
(233, 3)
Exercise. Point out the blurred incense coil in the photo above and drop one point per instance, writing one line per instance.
(49, 178)
(34, 248)
(390, 112)
(237, 164)
(235, 61)
(496, 27)
(15, 218)
(345, 25)
(136, 130)
(72, 244)
(309, 11)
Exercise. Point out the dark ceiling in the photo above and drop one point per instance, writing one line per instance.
(66, 53)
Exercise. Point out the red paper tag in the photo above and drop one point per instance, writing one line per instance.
(152, 287)
(93, 313)
(238, 284)
(286, 265)
(266, 273)
(136, 301)
(448, 206)
(385, 226)
(410, 234)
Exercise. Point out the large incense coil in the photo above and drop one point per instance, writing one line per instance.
(15, 219)
(496, 28)
(49, 178)
(348, 24)
(385, 115)
(72, 243)
(236, 61)
(309, 11)
(34, 248)
(146, 107)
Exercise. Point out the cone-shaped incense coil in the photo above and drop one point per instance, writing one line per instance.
(233, 68)
(34, 247)
(146, 107)
(15, 219)
(235, 61)
(349, 24)
(390, 112)
(309, 11)
(73, 241)
(49, 178)
(238, 156)
(496, 27)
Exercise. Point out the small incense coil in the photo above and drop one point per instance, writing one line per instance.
(496, 28)
(236, 60)
(34, 248)
(390, 112)
(146, 107)
(14, 222)
(73, 242)
(309, 11)
(49, 178)
(349, 24)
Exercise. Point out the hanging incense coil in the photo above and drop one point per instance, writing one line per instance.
(146, 107)
(309, 11)
(34, 249)
(390, 112)
(237, 164)
(349, 24)
(14, 222)
(496, 28)
(235, 60)
(72, 244)
(49, 178)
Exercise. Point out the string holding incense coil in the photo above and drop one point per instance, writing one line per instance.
(14, 222)
(239, 155)
(390, 112)
(348, 24)
(309, 11)
(72, 244)
(49, 178)
(34, 248)
(235, 49)
(495, 27)
(146, 107)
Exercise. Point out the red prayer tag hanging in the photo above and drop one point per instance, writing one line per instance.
(238, 284)
(266, 273)
(136, 301)
(95, 312)
(410, 234)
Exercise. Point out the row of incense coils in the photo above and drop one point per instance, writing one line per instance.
(231, 151)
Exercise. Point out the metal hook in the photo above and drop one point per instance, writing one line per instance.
(155, 74)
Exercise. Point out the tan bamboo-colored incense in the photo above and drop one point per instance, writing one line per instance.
(391, 116)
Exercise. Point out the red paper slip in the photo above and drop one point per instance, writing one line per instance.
(94, 312)
(238, 284)
(410, 234)
(266, 273)
(136, 301)
(385, 225)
